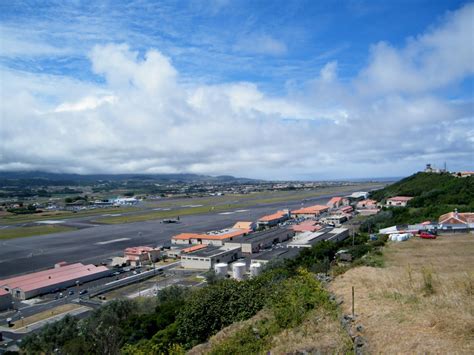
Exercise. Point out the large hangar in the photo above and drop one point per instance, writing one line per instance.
(60, 277)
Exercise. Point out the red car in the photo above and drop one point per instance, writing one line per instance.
(426, 235)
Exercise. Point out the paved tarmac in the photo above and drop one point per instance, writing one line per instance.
(99, 242)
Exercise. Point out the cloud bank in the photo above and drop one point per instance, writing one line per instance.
(142, 116)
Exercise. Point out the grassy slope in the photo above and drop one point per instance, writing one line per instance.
(29, 231)
(421, 302)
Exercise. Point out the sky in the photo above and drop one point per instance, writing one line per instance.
(303, 90)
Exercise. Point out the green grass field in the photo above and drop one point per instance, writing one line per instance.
(20, 232)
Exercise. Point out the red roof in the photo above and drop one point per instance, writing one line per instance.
(50, 277)
(273, 217)
(316, 209)
(456, 218)
(187, 236)
(138, 250)
(306, 226)
(220, 236)
(194, 248)
(334, 200)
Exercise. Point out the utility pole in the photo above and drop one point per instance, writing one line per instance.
(353, 313)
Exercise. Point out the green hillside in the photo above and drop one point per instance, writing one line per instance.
(433, 195)
(430, 189)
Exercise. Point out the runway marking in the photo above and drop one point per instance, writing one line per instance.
(191, 206)
(112, 241)
(240, 211)
(162, 209)
(227, 213)
(50, 222)
(111, 215)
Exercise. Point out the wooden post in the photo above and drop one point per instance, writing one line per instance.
(352, 302)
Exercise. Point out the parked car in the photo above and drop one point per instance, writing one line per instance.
(426, 235)
(71, 292)
(83, 292)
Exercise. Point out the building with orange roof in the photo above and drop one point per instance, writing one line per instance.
(214, 238)
(311, 211)
(273, 219)
(138, 256)
(455, 217)
(193, 248)
(367, 203)
(244, 225)
(306, 226)
(335, 202)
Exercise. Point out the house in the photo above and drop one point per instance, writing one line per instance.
(457, 218)
(311, 211)
(138, 256)
(357, 196)
(5, 300)
(367, 204)
(334, 202)
(399, 201)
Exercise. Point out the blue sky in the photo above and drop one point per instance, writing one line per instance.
(237, 87)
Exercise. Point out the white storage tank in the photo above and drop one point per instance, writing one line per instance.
(221, 269)
(238, 271)
(255, 269)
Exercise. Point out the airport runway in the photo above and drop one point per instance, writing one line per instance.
(94, 244)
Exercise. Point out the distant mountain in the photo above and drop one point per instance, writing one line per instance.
(71, 179)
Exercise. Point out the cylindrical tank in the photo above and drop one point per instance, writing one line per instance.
(255, 269)
(221, 269)
(238, 271)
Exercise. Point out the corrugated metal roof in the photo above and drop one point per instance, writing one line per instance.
(50, 277)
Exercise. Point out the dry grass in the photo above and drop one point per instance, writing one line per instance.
(320, 333)
(422, 301)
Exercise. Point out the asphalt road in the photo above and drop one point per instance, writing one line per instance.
(23, 255)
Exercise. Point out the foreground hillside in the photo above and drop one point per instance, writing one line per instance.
(421, 302)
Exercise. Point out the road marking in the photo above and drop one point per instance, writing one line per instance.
(240, 211)
(227, 213)
(50, 222)
(112, 241)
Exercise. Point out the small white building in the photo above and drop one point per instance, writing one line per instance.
(398, 201)
(206, 258)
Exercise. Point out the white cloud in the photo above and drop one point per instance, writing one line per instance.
(145, 117)
(440, 57)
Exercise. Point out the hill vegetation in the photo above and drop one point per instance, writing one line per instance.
(433, 195)
(179, 318)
